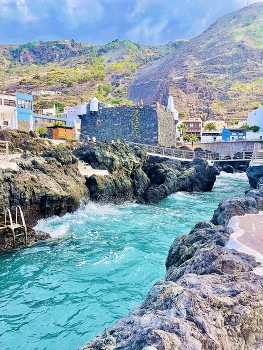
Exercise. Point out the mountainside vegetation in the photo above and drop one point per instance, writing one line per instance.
(218, 74)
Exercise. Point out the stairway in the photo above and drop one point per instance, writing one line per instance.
(16, 228)
(86, 170)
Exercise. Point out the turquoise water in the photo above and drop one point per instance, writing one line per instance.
(59, 294)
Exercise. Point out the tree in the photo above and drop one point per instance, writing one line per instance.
(210, 126)
(57, 123)
(182, 129)
(42, 131)
(246, 127)
(192, 138)
(255, 128)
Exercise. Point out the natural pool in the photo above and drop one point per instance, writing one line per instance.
(59, 294)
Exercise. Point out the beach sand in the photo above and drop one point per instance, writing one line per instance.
(248, 236)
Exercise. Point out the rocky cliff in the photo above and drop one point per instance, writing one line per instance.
(210, 298)
(47, 181)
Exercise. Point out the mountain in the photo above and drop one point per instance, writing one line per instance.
(217, 74)
(77, 70)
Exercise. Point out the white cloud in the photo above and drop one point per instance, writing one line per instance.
(17, 10)
(83, 11)
(147, 30)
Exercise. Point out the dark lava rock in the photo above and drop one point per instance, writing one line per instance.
(233, 207)
(47, 181)
(228, 169)
(210, 299)
(254, 173)
(196, 176)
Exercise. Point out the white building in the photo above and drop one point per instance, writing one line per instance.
(71, 114)
(256, 118)
(254, 136)
(211, 136)
(8, 115)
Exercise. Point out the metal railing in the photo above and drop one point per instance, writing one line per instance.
(190, 155)
(257, 156)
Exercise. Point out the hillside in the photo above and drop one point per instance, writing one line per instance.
(217, 74)
(77, 70)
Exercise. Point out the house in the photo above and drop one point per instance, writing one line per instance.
(16, 112)
(8, 117)
(194, 127)
(71, 114)
(233, 134)
(62, 132)
(211, 136)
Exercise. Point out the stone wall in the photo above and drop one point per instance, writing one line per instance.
(228, 147)
(140, 124)
(166, 127)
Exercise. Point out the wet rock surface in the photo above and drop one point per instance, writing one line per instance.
(47, 181)
(255, 174)
(135, 176)
(210, 298)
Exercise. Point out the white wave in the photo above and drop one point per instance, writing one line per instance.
(223, 174)
(115, 257)
(47, 227)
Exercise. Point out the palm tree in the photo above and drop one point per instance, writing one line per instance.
(210, 126)
(192, 138)
(182, 129)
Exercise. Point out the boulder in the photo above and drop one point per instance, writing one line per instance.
(254, 173)
(196, 176)
(228, 169)
(234, 207)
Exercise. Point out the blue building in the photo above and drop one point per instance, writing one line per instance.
(28, 120)
(233, 134)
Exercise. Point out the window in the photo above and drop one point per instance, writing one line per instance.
(0, 101)
(11, 103)
(5, 122)
(27, 104)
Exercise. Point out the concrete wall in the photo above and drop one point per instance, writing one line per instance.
(140, 124)
(228, 147)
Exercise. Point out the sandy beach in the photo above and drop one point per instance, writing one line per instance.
(248, 236)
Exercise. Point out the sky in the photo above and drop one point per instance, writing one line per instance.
(100, 21)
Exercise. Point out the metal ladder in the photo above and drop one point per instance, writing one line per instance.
(14, 226)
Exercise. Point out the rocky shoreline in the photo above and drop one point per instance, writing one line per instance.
(47, 180)
(210, 298)
(205, 300)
